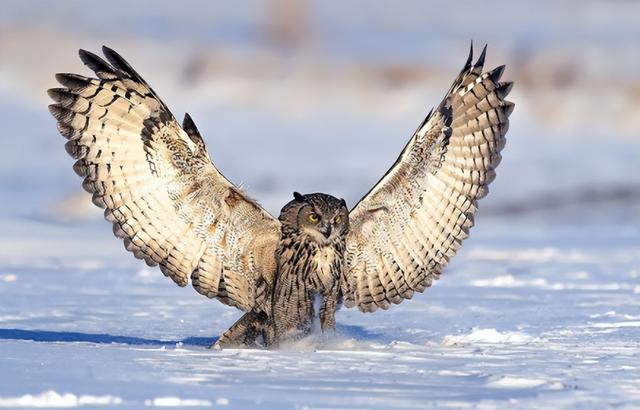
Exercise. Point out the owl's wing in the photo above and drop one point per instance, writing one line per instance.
(159, 188)
(405, 230)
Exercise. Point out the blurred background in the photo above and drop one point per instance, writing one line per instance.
(322, 96)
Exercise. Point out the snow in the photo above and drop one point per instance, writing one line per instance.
(51, 398)
(616, 324)
(8, 278)
(508, 382)
(540, 308)
(176, 401)
(486, 336)
(90, 321)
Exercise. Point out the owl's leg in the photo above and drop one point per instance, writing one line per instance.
(328, 312)
(244, 332)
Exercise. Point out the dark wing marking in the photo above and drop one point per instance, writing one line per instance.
(158, 186)
(405, 230)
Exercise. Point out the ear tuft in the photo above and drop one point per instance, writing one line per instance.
(343, 202)
(298, 196)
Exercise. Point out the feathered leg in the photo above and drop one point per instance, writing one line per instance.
(245, 332)
(328, 310)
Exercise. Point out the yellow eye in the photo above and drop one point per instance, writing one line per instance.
(337, 219)
(314, 218)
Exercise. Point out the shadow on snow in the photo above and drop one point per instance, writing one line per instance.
(49, 336)
(355, 332)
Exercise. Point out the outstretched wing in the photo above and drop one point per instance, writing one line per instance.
(158, 186)
(405, 230)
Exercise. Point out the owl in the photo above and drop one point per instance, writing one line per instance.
(174, 209)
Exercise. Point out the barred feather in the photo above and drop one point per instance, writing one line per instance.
(408, 227)
(165, 198)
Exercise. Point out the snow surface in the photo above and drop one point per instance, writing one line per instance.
(562, 332)
(51, 398)
(540, 309)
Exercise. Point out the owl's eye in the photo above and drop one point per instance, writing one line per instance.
(314, 218)
(337, 219)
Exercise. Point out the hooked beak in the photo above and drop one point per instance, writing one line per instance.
(326, 230)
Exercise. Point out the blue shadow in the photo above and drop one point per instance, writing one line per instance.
(49, 336)
(359, 332)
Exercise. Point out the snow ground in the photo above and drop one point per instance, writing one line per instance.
(540, 309)
(516, 322)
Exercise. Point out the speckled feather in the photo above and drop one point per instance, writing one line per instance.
(407, 228)
(158, 187)
(306, 270)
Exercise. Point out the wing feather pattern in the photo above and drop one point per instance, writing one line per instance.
(158, 186)
(408, 227)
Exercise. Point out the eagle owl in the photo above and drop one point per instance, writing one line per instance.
(173, 208)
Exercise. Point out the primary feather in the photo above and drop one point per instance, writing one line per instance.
(158, 187)
(407, 228)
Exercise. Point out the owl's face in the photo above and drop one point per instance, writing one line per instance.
(321, 217)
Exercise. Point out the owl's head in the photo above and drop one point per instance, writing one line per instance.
(321, 217)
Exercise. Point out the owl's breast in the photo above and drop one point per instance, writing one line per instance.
(326, 265)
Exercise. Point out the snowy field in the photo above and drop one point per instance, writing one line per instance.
(527, 316)
(539, 310)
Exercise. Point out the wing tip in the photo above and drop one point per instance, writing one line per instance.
(496, 73)
(467, 64)
(121, 64)
(504, 89)
(507, 108)
(187, 123)
(97, 64)
(71, 80)
(85, 54)
(480, 61)
(59, 112)
(66, 131)
(106, 50)
(111, 54)
(57, 94)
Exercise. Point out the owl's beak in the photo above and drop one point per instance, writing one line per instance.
(326, 230)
